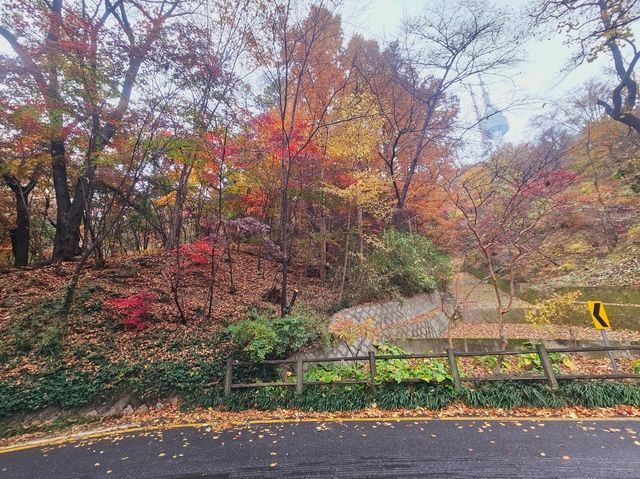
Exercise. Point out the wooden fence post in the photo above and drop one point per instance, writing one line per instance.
(299, 376)
(227, 377)
(546, 366)
(453, 366)
(372, 368)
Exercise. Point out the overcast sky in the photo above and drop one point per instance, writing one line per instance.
(540, 78)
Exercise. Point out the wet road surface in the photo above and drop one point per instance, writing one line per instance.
(492, 448)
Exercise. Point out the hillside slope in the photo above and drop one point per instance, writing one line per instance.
(32, 335)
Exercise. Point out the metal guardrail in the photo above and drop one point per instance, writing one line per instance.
(450, 355)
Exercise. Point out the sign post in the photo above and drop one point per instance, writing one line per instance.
(601, 322)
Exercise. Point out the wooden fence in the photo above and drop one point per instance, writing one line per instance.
(450, 355)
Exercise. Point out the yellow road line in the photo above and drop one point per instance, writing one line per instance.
(98, 435)
(257, 422)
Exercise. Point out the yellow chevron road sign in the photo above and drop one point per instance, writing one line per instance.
(599, 315)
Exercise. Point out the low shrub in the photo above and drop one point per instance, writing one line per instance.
(396, 396)
(400, 263)
(354, 334)
(600, 393)
(555, 309)
(345, 398)
(511, 394)
(398, 370)
(387, 370)
(199, 385)
(532, 362)
(260, 337)
(491, 362)
(135, 310)
(256, 337)
(328, 372)
(500, 395)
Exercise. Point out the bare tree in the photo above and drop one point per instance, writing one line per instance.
(596, 145)
(443, 47)
(596, 27)
(503, 203)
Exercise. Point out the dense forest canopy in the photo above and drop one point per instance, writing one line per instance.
(192, 127)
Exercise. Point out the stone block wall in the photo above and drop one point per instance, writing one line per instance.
(121, 406)
(420, 316)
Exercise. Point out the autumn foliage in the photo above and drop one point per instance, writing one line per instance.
(134, 310)
(136, 129)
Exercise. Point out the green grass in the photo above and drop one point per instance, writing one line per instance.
(623, 317)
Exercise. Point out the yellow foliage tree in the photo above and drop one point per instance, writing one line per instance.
(355, 335)
(369, 193)
(555, 310)
(356, 129)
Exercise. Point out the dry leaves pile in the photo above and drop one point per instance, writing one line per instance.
(573, 364)
(531, 332)
(95, 329)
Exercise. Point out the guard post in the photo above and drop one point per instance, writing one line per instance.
(601, 322)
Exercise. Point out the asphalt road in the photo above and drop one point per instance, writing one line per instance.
(376, 449)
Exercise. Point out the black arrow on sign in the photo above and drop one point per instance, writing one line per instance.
(596, 314)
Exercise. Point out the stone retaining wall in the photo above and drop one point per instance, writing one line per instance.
(420, 316)
(121, 406)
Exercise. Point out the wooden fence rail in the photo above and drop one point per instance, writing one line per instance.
(450, 355)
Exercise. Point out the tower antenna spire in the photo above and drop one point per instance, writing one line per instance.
(494, 124)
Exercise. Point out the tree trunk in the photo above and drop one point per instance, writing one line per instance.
(20, 234)
(500, 310)
(323, 249)
(69, 216)
(346, 258)
(284, 249)
(66, 244)
(284, 219)
(176, 213)
(360, 232)
(20, 239)
(398, 221)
